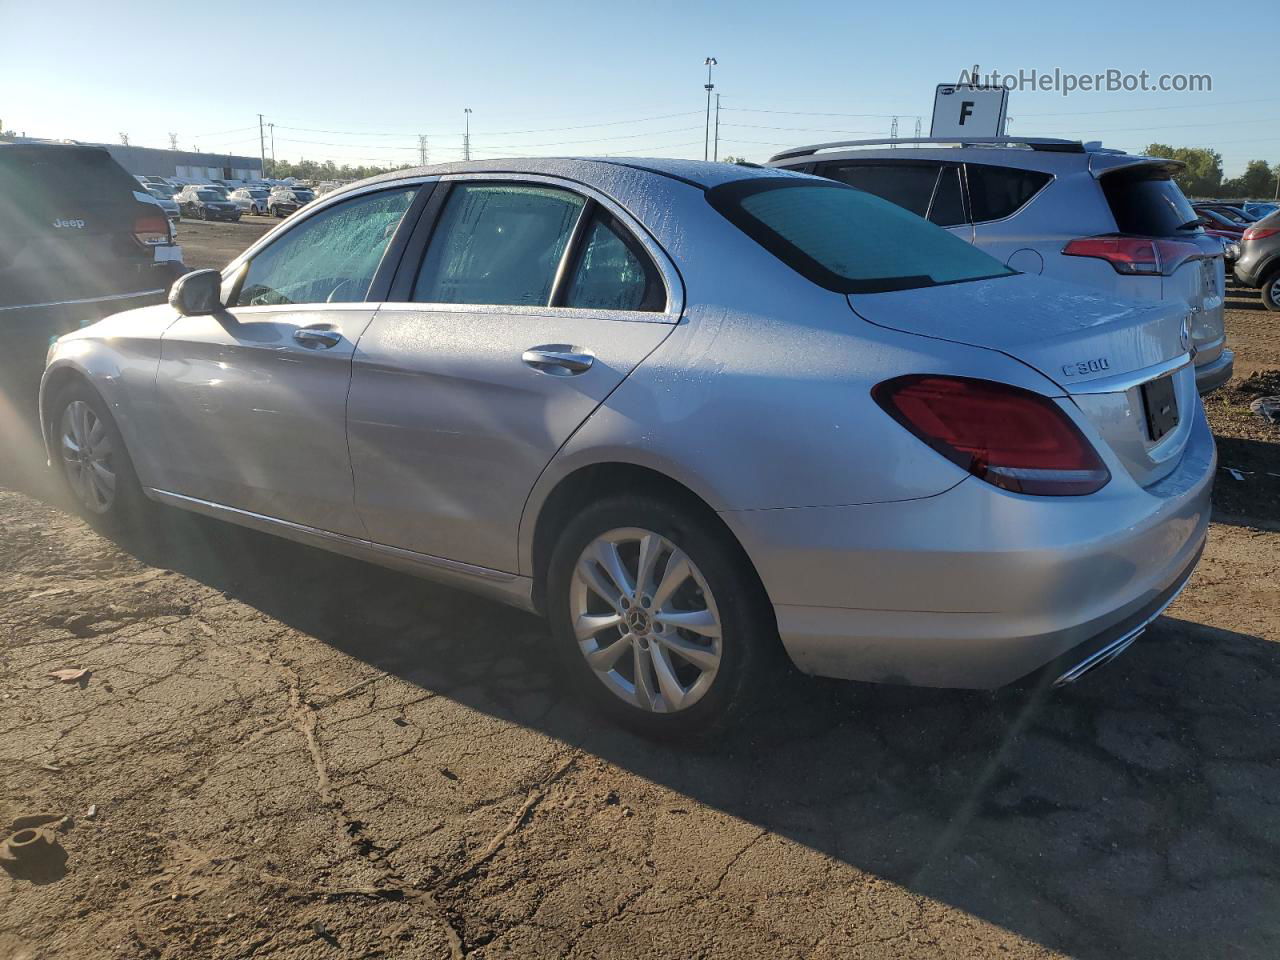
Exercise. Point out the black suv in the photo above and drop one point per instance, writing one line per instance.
(79, 240)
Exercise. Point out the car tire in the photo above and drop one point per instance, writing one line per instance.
(1271, 291)
(718, 592)
(89, 454)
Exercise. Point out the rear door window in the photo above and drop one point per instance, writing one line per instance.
(999, 192)
(613, 272)
(1146, 202)
(947, 209)
(498, 243)
(909, 185)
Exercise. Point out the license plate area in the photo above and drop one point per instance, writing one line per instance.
(1161, 405)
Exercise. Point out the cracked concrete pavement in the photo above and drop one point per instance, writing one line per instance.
(294, 755)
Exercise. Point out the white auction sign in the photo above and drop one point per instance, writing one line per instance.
(963, 111)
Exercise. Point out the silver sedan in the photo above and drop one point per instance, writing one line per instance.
(697, 415)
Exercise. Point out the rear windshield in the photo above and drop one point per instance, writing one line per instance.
(1147, 203)
(60, 181)
(208, 195)
(848, 240)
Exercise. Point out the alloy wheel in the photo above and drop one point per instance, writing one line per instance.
(1275, 290)
(88, 457)
(645, 620)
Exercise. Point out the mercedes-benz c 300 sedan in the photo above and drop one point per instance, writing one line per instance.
(696, 414)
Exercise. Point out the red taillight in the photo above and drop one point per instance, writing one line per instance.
(1142, 256)
(151, 229)
(1005, 435)
(1253, 233)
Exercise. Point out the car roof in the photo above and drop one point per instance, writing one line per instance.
(702, 174)
(1050, 156)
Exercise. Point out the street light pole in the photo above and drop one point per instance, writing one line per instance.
(466, 137)
(272, 128)
(715, 141)
(706, 137)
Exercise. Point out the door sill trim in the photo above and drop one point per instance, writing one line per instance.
(507, 587)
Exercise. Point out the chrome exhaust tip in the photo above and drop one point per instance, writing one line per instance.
(1100, 657)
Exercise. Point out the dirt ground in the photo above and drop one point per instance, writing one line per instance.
(281, 753)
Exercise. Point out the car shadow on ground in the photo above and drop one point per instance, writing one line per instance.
(1135, 814)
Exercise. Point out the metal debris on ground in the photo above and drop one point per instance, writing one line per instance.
(1268, 408)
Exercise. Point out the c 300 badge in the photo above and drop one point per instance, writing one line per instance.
(1084, 367)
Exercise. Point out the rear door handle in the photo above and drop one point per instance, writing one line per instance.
(558, 360)
(321, 338)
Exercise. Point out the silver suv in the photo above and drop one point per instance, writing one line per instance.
(1059, 208)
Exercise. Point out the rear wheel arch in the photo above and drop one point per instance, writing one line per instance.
(601, 481)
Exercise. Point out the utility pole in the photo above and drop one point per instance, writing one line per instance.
(893, 132)
(422, 149)
(466, 137)
(271, 127)
(262, 148)
(715, 143)
(173, 141)
(709, 86)
(917, 128)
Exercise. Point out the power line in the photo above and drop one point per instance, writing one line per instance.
(496, 133)
(759, 126)
(810, 113)
(1190, 106)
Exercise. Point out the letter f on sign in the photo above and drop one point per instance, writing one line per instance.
(966, 110)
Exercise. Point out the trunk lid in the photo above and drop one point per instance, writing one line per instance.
(1106, 354)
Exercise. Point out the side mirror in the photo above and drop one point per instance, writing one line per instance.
(197, 294)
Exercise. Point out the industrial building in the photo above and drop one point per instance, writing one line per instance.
(146, 161)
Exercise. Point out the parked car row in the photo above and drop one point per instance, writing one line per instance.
(258, 199)
(704, 416)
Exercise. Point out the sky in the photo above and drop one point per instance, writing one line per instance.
(358, 82)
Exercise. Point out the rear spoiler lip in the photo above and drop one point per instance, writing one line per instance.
(1164, 164)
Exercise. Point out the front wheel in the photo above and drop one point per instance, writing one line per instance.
(90, 454)
(659, 617)
(1271, 292)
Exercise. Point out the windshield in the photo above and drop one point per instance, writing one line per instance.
(848, 240)
(208, 195)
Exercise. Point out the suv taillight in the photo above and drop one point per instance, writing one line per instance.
(1007, 436)
(1253, 233)
(151, 229)
(1138, 256)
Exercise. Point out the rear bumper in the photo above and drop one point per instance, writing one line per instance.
(1216, 372)
(976, 587)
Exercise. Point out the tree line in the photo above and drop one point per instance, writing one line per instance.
(327, 170)
(1202, 176)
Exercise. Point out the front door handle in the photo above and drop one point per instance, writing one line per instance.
(558, 360)
(321, 338)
